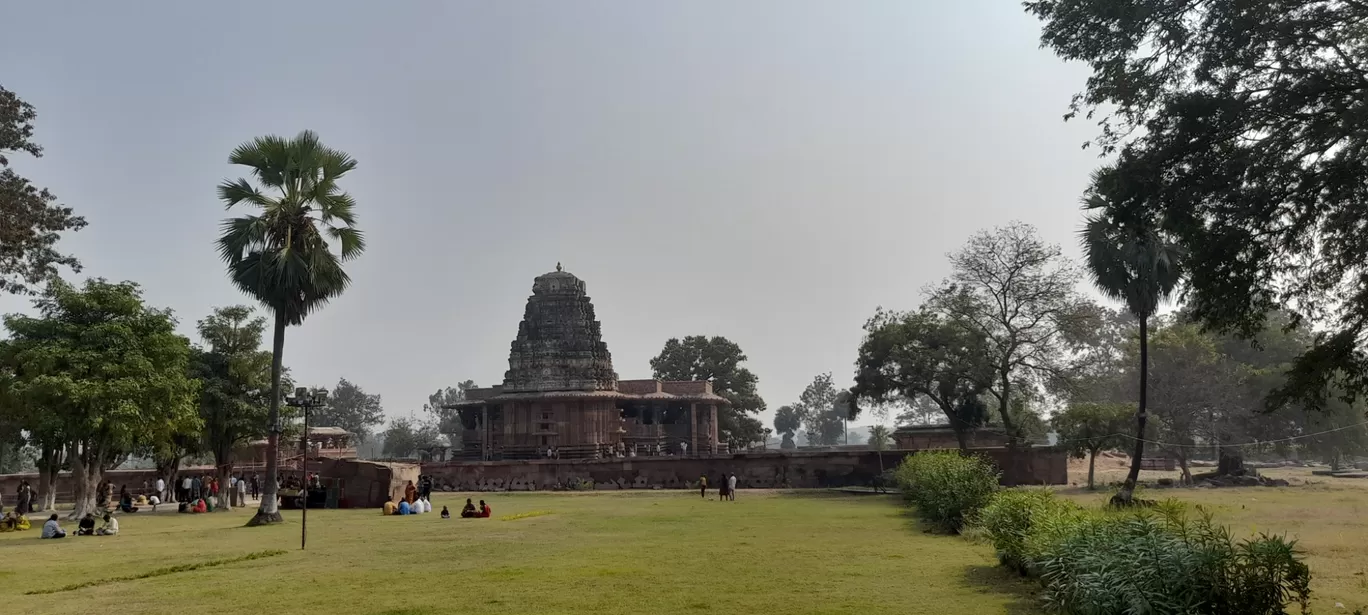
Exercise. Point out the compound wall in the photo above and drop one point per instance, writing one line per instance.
(753, 470)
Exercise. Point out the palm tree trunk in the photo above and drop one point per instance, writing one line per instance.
(269, 512)
(1123, 497)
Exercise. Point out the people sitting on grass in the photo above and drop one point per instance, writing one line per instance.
(110, 527)
(469, 510)
(446, 514)
(405, 508)
(52, 529)
(126, 500)
(484, 509)
(391, 507)
(14, 522)
(86, 527)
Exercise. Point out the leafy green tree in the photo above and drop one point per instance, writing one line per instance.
(922, 356)
(1013, 290)
(33, 221)
(1132, 262)
(406, 438)
(823, 419)
(351, 408)
(448, 420)
(1231, 128)
(283, 255)
(1086, 429)
(787, 422)
(235, 377)
(698, 357)
(110, 370)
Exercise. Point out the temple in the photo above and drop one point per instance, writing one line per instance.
(561, 398)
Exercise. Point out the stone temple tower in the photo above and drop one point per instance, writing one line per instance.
(560, 343)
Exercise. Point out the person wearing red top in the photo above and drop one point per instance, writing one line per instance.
(484, 509)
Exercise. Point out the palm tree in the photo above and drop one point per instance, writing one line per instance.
(282, 255)
(1131, 262)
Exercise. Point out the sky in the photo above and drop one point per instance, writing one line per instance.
(769, 171)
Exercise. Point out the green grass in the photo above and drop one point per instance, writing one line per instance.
(613, 552)
(601, 553)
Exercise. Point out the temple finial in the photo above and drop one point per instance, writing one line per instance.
(558, 266)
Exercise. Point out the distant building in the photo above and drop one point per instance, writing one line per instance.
(561, 397)
(324, 443)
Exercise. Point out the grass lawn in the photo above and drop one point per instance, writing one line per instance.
(616, 552)
(601, 553)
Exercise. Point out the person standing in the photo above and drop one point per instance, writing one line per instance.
(161, 488)
(731, 486)
(242, 490)
(25, 504)
(186, 489)
(703, 486)
(256, 487)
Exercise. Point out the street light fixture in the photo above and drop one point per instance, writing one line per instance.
(306, 400)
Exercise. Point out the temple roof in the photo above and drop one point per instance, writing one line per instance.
(559, 346)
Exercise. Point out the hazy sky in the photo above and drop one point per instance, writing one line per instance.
(770, 171)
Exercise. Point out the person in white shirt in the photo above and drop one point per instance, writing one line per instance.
(186, 484)
(731, 487)
(161, 489)
(242, 491)
(110, 526)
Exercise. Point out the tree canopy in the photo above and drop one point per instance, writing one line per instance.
(351, 408)
(698, 357)
(31, 220)
(406, 438)
(106, 370)
(920, 355)
(1234, 129)
(823, 410)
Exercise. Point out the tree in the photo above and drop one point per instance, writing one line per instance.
(109, 370)
(351, 408)
(922, 356)
(235, 377)
(822, 418)
(448, 420)
(31, 221)
(879, 435)
(718, 359)
(407, 437)
(1016, 292)
(282, 256)
(1130, 261)
(787, 422)
(1086, 429)
(1241, 148)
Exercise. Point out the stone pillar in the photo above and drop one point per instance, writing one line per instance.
(693, 428)
(484, 431)
(712, 427)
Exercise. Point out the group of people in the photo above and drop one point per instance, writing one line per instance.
(726, 487)
(85, 527)
(470, 512)
(13, 521)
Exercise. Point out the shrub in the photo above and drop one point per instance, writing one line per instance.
(1013, 516)
(1164, 562)
(946, 487)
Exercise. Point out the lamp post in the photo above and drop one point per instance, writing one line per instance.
(306, 400)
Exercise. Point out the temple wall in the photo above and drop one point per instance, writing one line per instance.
(753, 470)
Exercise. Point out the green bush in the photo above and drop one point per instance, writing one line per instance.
(1164, 562)
(946, 488)
(1013, 516)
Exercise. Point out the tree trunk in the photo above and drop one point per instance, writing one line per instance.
(1186, 477)
(169, 471)
(269, 511)
(1231, 462)
(1092, 463)
(49, 466)
(962, 434)
(1124, 496)
(87, 472)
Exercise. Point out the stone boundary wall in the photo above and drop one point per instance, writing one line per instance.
(753, 470)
